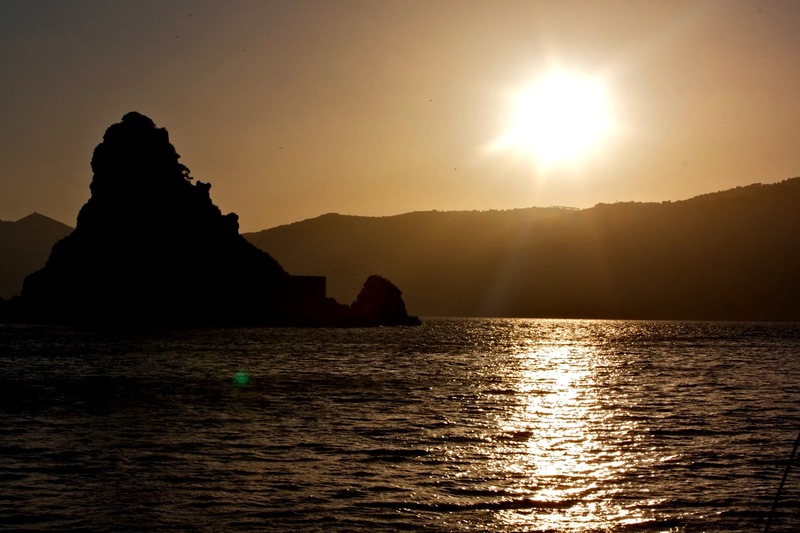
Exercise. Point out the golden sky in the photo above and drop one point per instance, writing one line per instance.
(292, 109)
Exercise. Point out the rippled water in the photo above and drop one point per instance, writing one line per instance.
(459, 425)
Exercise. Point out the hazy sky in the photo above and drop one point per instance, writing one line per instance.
(292, 109)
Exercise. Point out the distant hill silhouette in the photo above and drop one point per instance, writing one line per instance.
(24, 247)
(731, 255)
(431, 250)
(150, 248)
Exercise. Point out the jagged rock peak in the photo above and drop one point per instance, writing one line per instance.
(150, 245)
(138, 179)
(135, 148)
(135, 118)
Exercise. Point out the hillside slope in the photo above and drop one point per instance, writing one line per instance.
(24, 246)
(425, 247)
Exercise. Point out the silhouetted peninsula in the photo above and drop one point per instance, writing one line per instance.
(150, 248)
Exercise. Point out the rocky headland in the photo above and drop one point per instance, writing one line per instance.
(151, 248)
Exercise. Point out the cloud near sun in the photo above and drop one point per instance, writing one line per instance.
(557, 120)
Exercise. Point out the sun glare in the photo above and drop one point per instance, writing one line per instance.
(558, 119)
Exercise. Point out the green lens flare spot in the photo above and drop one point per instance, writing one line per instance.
(240, 379)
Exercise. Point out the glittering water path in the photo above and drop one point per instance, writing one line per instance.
(460, 425)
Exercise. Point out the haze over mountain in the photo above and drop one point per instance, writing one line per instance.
(731, 255)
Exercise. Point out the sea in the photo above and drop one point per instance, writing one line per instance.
(462, 424)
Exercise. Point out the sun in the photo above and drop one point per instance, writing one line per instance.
(558, 119)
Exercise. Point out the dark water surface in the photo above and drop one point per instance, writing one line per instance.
(459, 425)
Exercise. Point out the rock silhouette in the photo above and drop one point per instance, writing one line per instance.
(151, 248)
(380, 304)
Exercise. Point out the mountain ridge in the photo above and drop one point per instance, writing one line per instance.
(727, 255)
(723, 255)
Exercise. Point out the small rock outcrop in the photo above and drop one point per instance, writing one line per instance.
(150, 247)
(380, 304)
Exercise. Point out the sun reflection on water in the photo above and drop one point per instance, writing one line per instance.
(569, 451)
